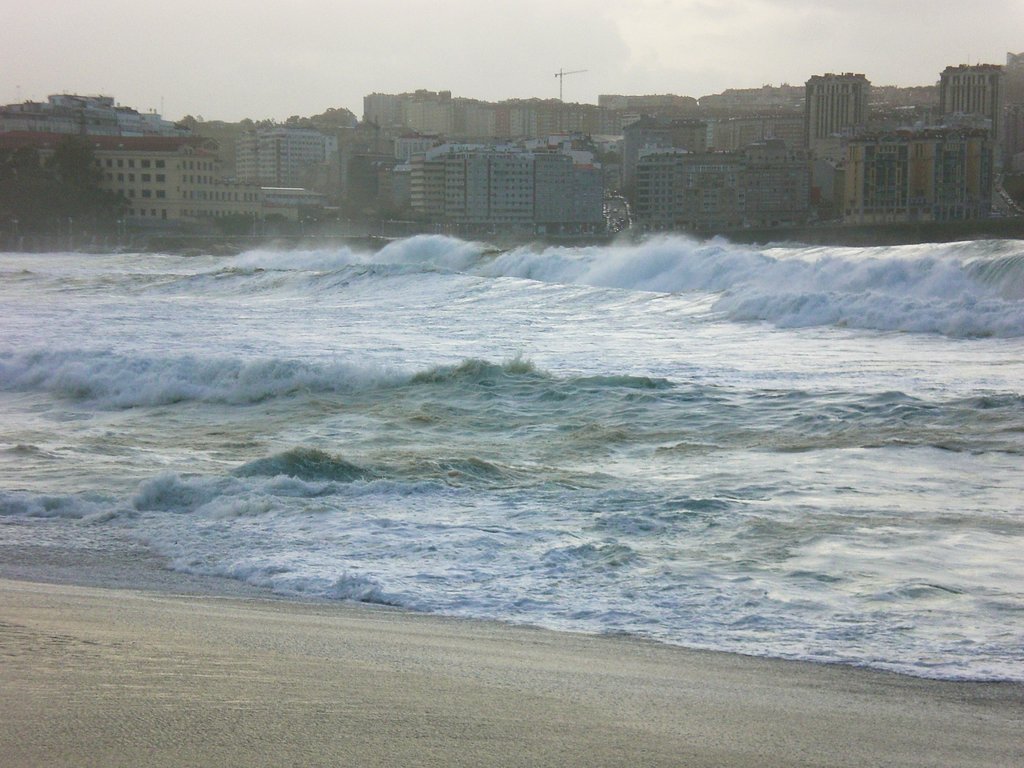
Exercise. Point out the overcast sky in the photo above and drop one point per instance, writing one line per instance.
(229, 59)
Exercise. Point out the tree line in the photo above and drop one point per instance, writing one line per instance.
(50, 194)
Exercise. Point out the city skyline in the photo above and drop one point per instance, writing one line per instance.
(228, 59)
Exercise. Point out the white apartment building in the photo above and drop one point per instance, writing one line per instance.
(282, 156)
(507, 189)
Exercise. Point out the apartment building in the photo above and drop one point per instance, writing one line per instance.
(767, 184)
(649, 133)
(490, 189)
(833, 105)
(692, 191)
(938, 174)
(734, 133)
(973, 90)
(282, 156)
(776, 184)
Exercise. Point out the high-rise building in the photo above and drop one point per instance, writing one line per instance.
(834, 104)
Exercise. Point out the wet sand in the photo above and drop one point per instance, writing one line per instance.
(92, 676)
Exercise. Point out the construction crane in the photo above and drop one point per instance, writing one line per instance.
(560, 74)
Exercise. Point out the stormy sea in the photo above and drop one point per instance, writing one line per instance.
(789, 451)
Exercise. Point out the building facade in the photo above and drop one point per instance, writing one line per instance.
(487, 190)
(649, 133)
(172, 182)
(776, 184)
(834, 104)
(974, 90)
(695, 192)
(765, 185)
(919, 175)
(86, 116)
(282, 156)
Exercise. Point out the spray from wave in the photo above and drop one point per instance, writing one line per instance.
(969, 289)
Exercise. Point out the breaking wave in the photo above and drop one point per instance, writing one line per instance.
(962, 290)
(971, 289)
(120, 381)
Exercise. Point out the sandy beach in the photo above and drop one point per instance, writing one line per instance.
(112, 677)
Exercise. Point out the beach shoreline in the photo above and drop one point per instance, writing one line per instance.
(197, 671)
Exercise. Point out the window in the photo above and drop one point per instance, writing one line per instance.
(161, 193)
(120, 177)
(159, 163)
(145, 163)
(160, 177)
(131, 176)
(120, 163)
(147, 193)
(131, 163)
(145, 177)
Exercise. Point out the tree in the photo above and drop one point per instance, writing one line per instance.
(43, 195)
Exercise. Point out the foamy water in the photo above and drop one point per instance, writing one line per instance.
(797, 452)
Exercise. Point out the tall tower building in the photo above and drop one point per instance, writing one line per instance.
(833, 104)
(974, 90)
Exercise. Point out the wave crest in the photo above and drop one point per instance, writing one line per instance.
(121, 381)
(961, 289)
(308, 464)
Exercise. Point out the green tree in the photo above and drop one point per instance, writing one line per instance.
(41, 196)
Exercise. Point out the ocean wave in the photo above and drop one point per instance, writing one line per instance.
(219, 497)
(87, 507)
(121, 381)
(476, 371)
(960, 290)
(427, 252)
(305, 464)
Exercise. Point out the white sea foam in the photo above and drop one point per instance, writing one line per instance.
(119, 381)
(959, 290)
(936, 290)
(428, 251)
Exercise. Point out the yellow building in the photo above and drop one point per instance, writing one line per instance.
(918, 175)
(164, 180)
(171, 179)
